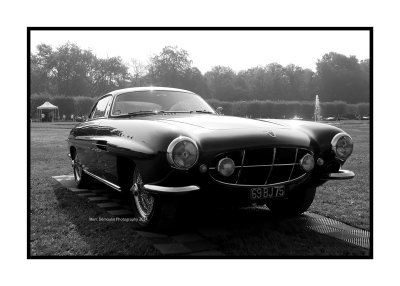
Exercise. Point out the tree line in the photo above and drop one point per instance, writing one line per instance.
(70, 71)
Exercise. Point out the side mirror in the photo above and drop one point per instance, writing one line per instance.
(220, 110)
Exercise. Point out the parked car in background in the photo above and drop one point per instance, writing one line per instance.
(163, 147)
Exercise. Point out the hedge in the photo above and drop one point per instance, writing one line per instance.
(289, 109)
(81, 105)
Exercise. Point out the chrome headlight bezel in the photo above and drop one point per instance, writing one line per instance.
(336, 139)
(170, 150)
(220, 167)
(310, 158)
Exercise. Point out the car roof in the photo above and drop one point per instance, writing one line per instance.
(146, 88)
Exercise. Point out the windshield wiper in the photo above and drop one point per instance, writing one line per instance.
(148, 112)
(155, 112)
(200, 111)
(141, 112)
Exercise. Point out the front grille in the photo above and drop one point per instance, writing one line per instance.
(263, 166)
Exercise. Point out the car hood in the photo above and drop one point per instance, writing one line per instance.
(215, 122)
(215, 133)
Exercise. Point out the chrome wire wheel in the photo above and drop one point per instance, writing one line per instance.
(144, 201)
(82, 180)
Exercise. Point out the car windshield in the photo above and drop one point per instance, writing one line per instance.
(155, 101)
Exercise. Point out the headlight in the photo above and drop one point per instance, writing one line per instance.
(182, 153)
(307, 162)
(342, 146)
(226, 167)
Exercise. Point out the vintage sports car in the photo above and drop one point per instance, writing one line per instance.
(163, 147)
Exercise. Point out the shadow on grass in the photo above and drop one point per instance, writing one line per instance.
(237, 232)
(104, 238)
(258, 232)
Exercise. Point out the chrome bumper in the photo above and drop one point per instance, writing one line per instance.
(341, 175)
(171, 190)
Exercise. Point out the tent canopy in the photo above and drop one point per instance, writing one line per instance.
(47, 112)
(47, 105)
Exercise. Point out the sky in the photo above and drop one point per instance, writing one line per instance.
(237, 49)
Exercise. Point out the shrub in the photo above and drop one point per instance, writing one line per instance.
(333, 108)
(255, 108)
(83, 105)
(363, 108)
(306, 109)
(240, 108)
(66, 105)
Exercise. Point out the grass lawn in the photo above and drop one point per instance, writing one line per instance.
(349, 201)
(60, 224)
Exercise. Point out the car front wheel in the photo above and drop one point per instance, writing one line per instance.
(151, 211)
(297, 202)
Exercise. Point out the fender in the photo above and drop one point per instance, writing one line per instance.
(126, 147)
(320, 134)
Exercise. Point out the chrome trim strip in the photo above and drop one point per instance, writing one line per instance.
(334, 141)
(295, 162)
(341, 175)
(114, 186)
(255, 166)
(254, 186)
(241, 165)
(162, 189)
(272, 166)
(171, 147)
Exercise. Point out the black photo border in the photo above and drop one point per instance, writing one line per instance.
(30, 29)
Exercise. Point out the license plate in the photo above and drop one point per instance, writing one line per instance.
(260, 193)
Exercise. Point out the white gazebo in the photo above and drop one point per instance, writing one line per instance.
(47, 106)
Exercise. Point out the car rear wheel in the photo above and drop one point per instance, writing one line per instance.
(82, 180)
(151, 211)
(298, 202)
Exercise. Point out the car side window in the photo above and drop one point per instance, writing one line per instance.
(101, 107)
